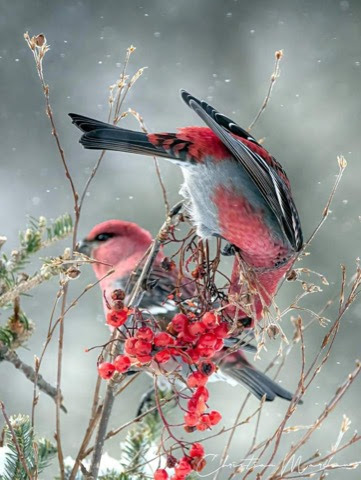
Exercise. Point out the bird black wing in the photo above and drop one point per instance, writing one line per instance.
(271, 186)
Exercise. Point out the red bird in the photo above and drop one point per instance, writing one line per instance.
(237, 190)
(123, 244)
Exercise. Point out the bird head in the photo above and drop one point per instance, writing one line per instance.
(117, 244)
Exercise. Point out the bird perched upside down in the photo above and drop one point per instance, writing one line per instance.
(237, 190)
(123, 244)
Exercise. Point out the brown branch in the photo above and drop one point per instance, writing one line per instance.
(329, 407)
(12, 357)
(156, 163)
(134, 300)
(102, 429)
(274, 76)
(114, 432)
(96, 410)
(233, 431)
(20, 288)
(39, 48)
(16, 443)
(58, 384)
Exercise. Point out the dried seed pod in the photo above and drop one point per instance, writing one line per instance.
(171, 461)
(292, 276)
(118, 305)
(40, 40)
(118, 294)
(273, 330)
(72, 272)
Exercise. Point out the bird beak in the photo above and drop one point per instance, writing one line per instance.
(85, 247)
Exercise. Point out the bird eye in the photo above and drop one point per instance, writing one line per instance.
(103, 237)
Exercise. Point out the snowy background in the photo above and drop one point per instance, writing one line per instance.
(221, 50)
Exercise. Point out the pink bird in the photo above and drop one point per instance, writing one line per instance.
(123, 244)
(236, 189)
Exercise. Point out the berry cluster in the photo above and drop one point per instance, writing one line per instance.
(193, 462)
(188, 340)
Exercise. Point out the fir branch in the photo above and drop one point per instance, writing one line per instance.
(36, 237)
(18, 439)
(26, 456)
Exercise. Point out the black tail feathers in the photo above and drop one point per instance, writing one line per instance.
(259, 384)
(103, 136)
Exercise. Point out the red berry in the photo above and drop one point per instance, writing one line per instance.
(196, 379)
(129, 346)
(179, 322)
(142, 347)
(185, 336)
(204, 422)
(196, 328)
(197, 405)
(222, 330)
(208, 340)
(144, 358)
(163, 339)
(145, 333)
(210, 320)
(206, 352)
(183, 467)
(197, 450)
(160, 474)
(201, 406)
(162, 357)
(198, 463)
(174, 351)
(201, 427)
(214, 417)
(191, 419)
(106, 370)
(219, 344)
(192, 404)
(201, 393)
(117, 318)
(122, 363)
(191, 356)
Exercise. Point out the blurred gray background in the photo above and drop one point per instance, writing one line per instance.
(221, 50)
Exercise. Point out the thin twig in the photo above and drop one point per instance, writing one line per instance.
(12, 357)
(274, 76)
(156, 163)
(229, 441)
(342, 165)
(94, 417)
(114, 432)
(16, 443)
(134, 300)
(102, 429)
(329, 407)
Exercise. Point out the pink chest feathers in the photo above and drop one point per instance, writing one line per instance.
(243, 225)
